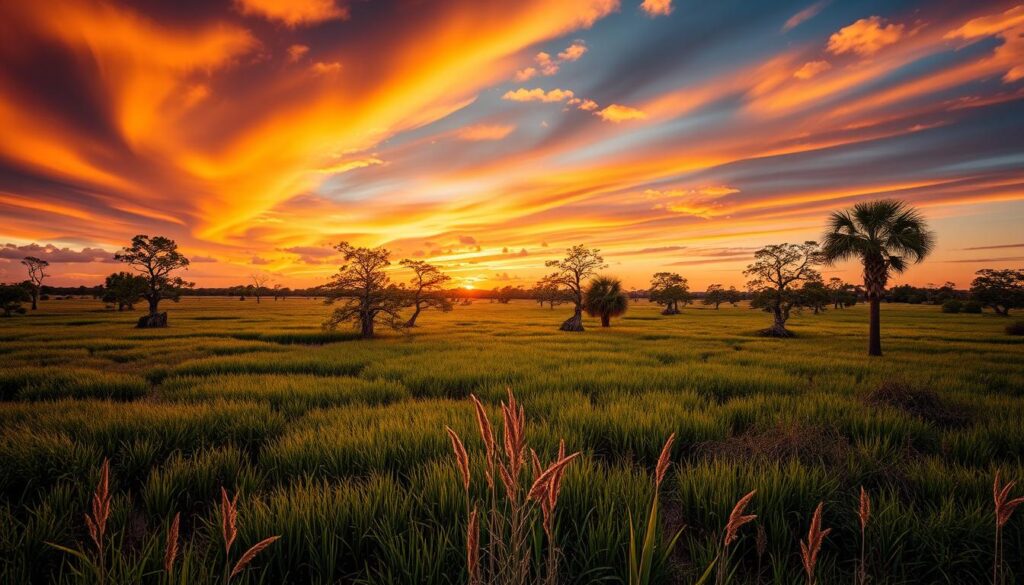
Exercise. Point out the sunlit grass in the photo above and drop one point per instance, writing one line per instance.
(337, 444)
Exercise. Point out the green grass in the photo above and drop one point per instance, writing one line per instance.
(338, 445)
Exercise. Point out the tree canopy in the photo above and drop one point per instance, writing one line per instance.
(1001, 290)
(579, 264)
(777, 273)
(364, 290)
(604, 298)
(155, 259)
(669, 290)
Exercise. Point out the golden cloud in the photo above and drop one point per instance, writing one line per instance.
(484, 132)
(293, 13)
(618, 113)
(811, 69)
(657, 7)
(538, 95)
(865, 37)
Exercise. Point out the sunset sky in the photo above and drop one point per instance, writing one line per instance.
(489, 136)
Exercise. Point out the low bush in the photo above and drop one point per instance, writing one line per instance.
(973, 307)
(952, 306)
(1015, 328)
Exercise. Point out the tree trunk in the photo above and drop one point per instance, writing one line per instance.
(778, 328)
(35, 298)
(257, 299)
(366, 326)
(671, 309)
(412, 320)
(606, 321)
(574, 323)
(154, 302)
(875, 328)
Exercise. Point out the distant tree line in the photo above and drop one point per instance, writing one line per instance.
(884, 236)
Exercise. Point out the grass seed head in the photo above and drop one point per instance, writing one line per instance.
(663, 460)
(815, 536)
(738, 519)
(864, 510)
(461, 457)
(251, 554)
(171, 552)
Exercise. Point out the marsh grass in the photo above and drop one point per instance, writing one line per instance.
(338, 446)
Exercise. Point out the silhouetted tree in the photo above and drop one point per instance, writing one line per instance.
(886, 236)
(579, 264)
(426, 289)
(715, 295)
(604, 298)
(669, 290)
(733, 296)
(548, 292)
(776, 275)
(124, 289)
(841, 294)
(11, 297)
(1001, 290)
(155, 259)
(365, 291)
(259, 281)
(815, 295)
(36, 273)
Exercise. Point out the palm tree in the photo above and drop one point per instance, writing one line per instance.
(886, 236)
(605, 299)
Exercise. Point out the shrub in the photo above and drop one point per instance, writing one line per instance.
(1015, 328)
(952, 306)
(973, 307)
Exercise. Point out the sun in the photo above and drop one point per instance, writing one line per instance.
(468, 286)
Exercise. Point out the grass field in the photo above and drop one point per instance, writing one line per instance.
(338, 445)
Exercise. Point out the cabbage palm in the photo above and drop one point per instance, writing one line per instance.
(605, 299)
(886, 236)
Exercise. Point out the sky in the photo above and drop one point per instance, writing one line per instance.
(488, 137)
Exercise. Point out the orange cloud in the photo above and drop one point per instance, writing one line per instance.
(618, 113)
(811, 69)
(526, 73)
(865, 37)
(293, 13)
(657, 7)
(537, 95)
(484, 132)
(573, 52)
(296, 52)
(990, 25)
(804, 15)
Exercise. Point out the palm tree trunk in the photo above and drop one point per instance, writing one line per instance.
(875, 328)
(606, 321)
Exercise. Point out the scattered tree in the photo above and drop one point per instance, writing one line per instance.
(259, 281)
(815, 295)
(548, 292)
(733, 296)
(886, 236)
(776, 275)
(36, 273)
(124, 289)
(715, 295)
(365, 291)
(668, 289)
(579, 264)
(156, 258)
(427, 289)
(604, 298)
(11, 297)
(841, 294)
(1001, 290)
